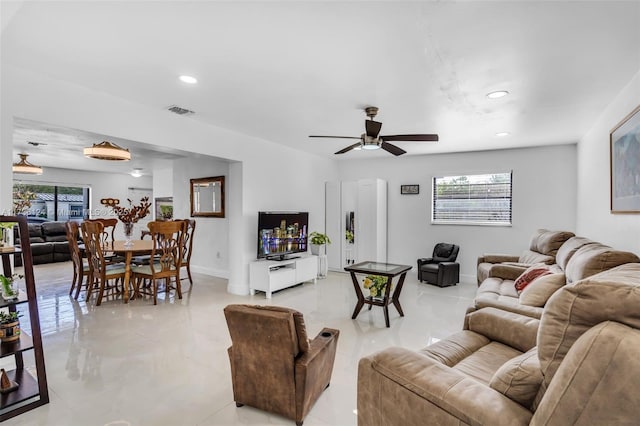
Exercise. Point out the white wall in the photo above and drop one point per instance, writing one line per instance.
(594, 217)
(273, 177)
(544, 187)
(210, 253)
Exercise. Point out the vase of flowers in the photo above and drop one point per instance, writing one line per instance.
(9, 286)
(132, 214)
(376, 284)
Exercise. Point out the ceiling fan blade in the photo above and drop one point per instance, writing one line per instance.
(372, 128)
(334, 137)
(349, 148)
(411, 138)
(392, 149)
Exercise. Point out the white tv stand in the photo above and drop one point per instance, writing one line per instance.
(273, 275)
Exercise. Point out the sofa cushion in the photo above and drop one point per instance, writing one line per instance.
(53, 229)
(541, 289)
(529, 257)
(483, 363)
(528, 276)
(519, 378)
(548, 242)
(442, 252)
(593, 258)
(569, 248)
(612, 295)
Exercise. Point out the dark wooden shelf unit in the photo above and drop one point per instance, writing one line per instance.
(33, 391)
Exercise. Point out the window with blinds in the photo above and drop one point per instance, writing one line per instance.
(472, 199)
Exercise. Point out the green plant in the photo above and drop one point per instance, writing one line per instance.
(375, 284)
(7, 290)
(9, 317)
(349, 236)
(319, 239)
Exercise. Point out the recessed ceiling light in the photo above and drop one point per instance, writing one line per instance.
(136, 172)
(188, 79)
(497, 94)
(503, 134)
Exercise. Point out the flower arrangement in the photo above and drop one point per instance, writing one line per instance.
(22, 198)
(133, 213)
(10, 286)
(376, 285)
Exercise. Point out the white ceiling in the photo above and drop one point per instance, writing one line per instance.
(283, 70)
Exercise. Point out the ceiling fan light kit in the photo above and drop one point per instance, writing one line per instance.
(107, 151)
(25, 167)
(371, 139)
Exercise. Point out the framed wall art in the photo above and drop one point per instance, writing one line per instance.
(409, 189)
(624, 147)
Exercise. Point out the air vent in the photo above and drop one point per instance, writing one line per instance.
(180, 111)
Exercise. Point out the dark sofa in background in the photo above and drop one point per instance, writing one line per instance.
(48, 243)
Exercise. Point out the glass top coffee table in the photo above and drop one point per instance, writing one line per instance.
(388, 270)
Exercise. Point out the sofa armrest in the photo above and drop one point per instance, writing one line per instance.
(515, 330)
(424, 260)
(497, 258)
(401, 387)
(506, 272)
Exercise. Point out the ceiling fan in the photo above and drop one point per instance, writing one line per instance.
(372, 139)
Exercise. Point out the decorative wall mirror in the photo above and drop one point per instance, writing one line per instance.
(207, 197)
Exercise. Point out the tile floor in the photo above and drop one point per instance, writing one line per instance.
(140, 364)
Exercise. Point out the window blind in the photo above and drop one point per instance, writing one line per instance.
(472, 199)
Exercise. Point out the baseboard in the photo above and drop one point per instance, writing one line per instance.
(220, 273)
(471, 279)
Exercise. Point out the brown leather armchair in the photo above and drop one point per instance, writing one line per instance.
(274, 366)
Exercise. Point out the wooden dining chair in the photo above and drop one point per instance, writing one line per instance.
(187, 246)
(167, 254)
(108, 237)
(101, 273)
(80, 267)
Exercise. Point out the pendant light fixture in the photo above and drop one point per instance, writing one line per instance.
(107, 151)
(25, 167)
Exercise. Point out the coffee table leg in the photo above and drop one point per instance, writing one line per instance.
(396, 295)
(386, 314)
(360, 302)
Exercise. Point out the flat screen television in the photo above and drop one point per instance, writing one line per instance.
(281, 234)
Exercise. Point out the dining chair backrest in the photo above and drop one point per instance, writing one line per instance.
(108, 229)
(187, 241)
(73, 232)
(92, 233)
(167, 247)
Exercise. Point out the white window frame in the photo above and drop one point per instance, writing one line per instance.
(466, 213)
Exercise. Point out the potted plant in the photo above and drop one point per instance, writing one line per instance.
(9, 326)
(9, 286)
(318, 240)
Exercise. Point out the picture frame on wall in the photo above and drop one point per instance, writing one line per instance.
(624, 150)
(409, 189)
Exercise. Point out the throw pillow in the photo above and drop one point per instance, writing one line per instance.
(529, 275)
(519, 378)
(540, 290)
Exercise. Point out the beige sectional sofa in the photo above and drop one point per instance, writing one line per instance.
(575, 259)
(576, 365)
(542, 249)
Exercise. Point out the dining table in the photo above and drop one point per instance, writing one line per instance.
(128, 249)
